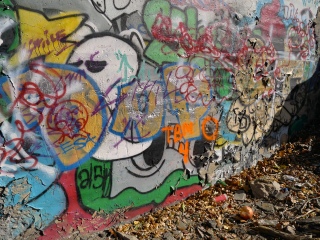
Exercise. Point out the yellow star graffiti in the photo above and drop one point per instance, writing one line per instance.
(41, 36)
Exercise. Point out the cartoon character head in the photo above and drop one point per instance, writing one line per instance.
(112, 61)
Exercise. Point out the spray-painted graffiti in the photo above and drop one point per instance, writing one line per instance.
(107, 104)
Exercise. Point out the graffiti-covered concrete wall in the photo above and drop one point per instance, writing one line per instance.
(118, 107)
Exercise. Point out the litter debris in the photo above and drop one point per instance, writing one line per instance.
(264, 187)
(289, 178)
(240, 195)
(125, 236)
(291, 230)
(246, 212)
(268, 207)
(279, 198)
(282, 194)
(317, 170)
(181, 226)
(266, 222)
(222, 183)
(221, 198)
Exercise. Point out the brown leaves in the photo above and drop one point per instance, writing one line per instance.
(199, 216)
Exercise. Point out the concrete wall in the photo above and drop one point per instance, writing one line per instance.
(122, 106)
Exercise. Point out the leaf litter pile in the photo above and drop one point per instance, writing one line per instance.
(277, 199)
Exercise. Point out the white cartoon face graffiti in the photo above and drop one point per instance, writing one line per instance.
(111, 62)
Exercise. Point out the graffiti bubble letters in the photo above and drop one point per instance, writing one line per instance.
(210, 128)
(178, 131)
(95, 177)
(45, 45)
(53, 97)
(48, 39)
(179, 134)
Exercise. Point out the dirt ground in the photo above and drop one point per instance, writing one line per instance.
(283, 192)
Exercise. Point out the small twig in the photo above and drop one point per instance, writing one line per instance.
(306, 202)
(307, 213)
(275, 233)
(304, 206)
(282, 213)
(313, 220)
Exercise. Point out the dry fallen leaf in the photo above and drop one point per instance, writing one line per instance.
(199, 208)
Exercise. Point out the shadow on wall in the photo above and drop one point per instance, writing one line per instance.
(278, 105)
(301, 104)
(296, 111)
(133, 124)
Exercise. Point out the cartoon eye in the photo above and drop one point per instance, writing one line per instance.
(150, 161)
(95, 66)
(77, 64)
